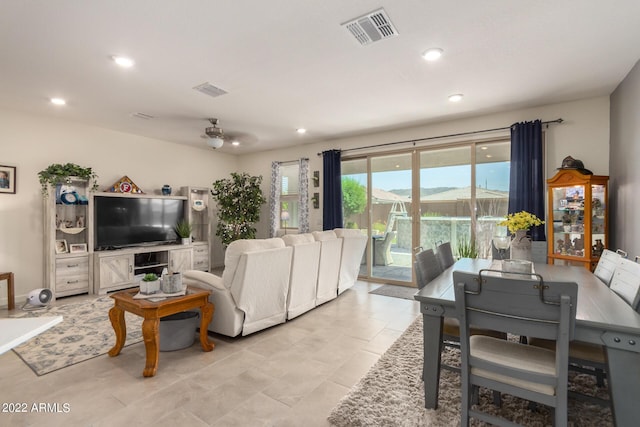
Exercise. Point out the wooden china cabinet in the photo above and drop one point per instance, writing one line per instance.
(577, 229)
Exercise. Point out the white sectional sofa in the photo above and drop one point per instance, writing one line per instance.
(304, 273)
(267, 281)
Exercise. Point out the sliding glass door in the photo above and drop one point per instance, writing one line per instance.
(418, 198)
(391, 228)
(355, 200)
(446, 192)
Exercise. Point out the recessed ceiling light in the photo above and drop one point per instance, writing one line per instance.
(301, 131)
(484, 147)
(58, 101)
(236, 143)
(123, 61)
(432, 54)
(456, 98)
(488, 156)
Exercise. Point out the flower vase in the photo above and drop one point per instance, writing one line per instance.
(521, 246)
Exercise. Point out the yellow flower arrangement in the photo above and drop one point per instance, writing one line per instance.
(521, 221)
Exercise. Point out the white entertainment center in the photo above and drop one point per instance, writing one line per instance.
(76, 264)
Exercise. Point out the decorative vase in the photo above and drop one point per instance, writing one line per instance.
(521, 246)
(166, 190)
(185, 240)
(172, 283)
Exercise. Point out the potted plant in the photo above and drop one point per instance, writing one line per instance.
(467, 249)
(239, 201)
(62, 174)
(150, 284)
(183, 230)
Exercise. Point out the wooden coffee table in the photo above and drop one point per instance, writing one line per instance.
(152, 312)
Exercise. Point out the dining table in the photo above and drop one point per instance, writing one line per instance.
(602, 317)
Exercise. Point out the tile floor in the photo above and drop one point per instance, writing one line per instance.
(289, 375)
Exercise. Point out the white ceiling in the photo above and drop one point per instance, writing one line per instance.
(289, 63)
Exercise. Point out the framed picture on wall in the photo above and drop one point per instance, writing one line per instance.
(8, 179)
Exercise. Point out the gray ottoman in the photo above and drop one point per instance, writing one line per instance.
(178, 331)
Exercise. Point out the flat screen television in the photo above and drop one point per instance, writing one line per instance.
(131, 221)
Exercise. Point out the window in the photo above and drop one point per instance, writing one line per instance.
(289, 191)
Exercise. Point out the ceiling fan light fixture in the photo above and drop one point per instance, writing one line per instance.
(215, 142)
(215, 134)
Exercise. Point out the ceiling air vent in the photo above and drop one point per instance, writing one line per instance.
(142, 116)
(209, 89)
(371, 27)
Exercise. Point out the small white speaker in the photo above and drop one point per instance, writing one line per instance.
(39, 297)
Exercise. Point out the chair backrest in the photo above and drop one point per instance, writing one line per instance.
(237, 248)
(524, 307)
(444, 254)
(426, 266)
(354, 244)
(516, 305)
(626, 281)
(606, 266)
(329, 270)
(304, 273)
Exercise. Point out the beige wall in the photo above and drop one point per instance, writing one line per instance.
(583, 135)
(625, 174)
(32, 143)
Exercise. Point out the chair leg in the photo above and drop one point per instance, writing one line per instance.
(599, 377)
(497, 398)
(467, 397)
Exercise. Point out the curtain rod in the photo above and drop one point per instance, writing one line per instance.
(286, 162)
(560, 120)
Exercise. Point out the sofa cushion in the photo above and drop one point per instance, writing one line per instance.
(321, 236)
(238, 247)
(298, 239)
(347, 232)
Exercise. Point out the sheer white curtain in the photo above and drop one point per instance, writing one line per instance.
(274, 199)
(303, 196)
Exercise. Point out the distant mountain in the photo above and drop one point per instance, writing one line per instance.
(423, 191)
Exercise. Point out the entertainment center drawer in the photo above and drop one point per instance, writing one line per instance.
(201, 257)
(72, 274)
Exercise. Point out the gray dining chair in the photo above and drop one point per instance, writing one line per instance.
(428, 268)
(521, 306)
(444, 254)
(606, 265)
(626, 281)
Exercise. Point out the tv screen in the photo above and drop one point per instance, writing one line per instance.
(128, 221)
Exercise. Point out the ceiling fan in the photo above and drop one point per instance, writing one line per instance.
(215, 135)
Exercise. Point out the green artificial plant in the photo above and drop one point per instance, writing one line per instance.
(467, 249)
(150, 277)
(183, 229)
(61, 174)
(239, 201)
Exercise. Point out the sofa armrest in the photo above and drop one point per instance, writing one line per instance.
(203, 279)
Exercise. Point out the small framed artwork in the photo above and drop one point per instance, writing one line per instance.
(77, 248)
(61, 247)
(8, 179)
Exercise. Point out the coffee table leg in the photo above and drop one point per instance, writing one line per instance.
(116, 315)
(206, 314)
(151, 335)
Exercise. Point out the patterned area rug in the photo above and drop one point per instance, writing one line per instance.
(84, 333)
(392, 394)
(395, 291)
